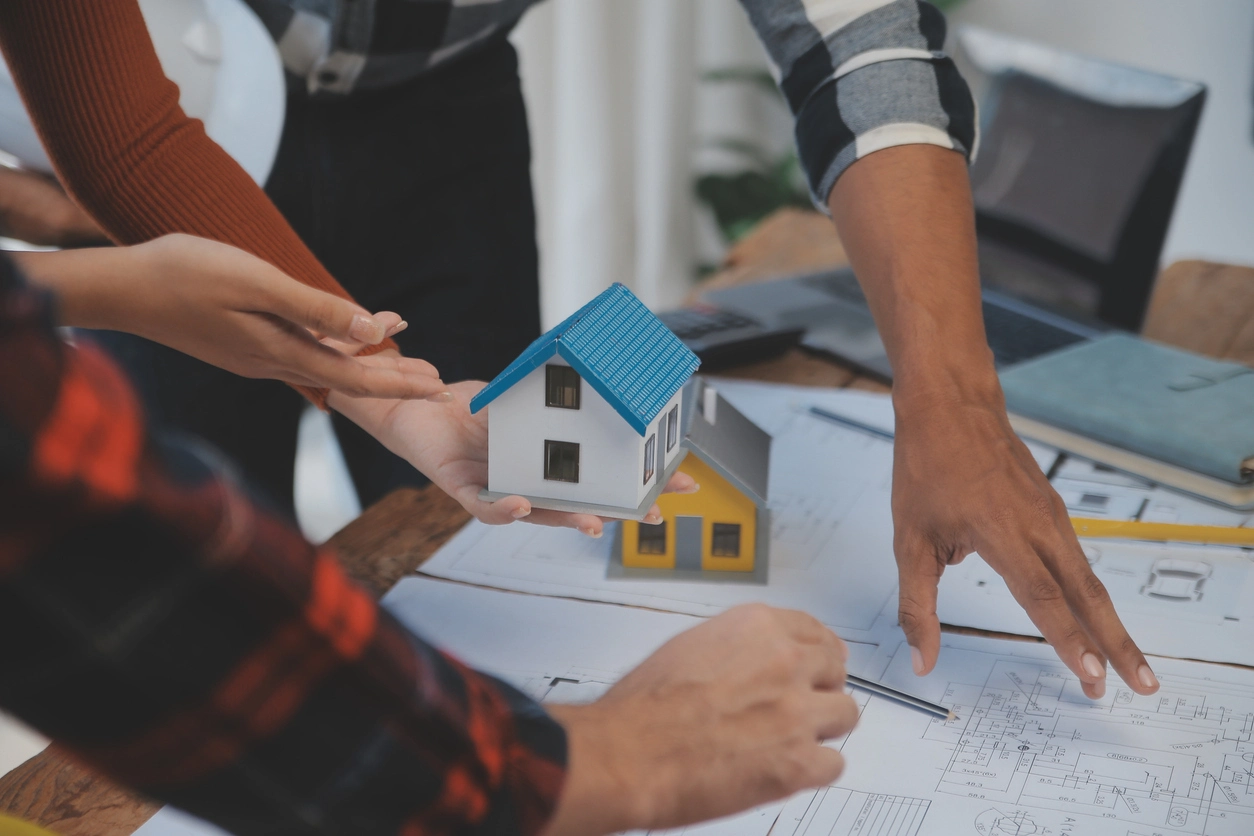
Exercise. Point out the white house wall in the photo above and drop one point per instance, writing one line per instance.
(641, 487)
(610, 451)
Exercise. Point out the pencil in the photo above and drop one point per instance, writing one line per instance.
(900, 697)
(819, 412)
(1163, 532)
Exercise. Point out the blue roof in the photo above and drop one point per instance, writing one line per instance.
(618, 346)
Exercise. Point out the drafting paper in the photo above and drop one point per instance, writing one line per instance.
(1030, 755)
(522, 637)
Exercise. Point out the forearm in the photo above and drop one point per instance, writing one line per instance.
(91, 285)
(123, 147)
(906, 219)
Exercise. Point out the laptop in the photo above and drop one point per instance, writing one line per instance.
(1074, 186)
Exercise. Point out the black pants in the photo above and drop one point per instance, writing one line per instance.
(418, 200)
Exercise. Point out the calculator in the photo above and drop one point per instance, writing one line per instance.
(721, 338)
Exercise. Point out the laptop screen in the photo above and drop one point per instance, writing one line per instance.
(1074, 188)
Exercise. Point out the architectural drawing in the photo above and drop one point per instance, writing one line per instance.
(835, 811)
(1030, 754)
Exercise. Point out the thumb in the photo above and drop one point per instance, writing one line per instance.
(919, 573)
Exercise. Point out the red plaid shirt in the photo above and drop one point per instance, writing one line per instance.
(179, 637)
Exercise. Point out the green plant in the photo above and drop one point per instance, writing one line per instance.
(739, 199)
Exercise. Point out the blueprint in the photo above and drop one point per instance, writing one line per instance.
(1030, 755)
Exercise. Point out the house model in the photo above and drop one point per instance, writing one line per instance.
(588, 418)
(724, 529)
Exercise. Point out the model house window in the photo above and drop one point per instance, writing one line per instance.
(726, 540)
(561, 387)
(561, 461)
(652, 538)
(672, 428)
(650, 450)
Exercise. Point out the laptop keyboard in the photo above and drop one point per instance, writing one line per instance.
(688, 324)
(1014, 337)
(841, 284)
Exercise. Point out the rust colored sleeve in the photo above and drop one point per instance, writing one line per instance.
(111, 123)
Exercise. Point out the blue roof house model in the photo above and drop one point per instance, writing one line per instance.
(588, 417)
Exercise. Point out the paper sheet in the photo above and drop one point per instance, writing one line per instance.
(1030, 754)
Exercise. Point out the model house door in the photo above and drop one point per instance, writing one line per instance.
(688, 542)
(661, 446)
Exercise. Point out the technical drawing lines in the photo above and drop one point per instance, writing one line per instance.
(840, 812)
(1180, 758)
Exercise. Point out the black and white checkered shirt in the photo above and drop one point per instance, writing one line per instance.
(860, 75)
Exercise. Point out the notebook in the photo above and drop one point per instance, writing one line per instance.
(1169, 415)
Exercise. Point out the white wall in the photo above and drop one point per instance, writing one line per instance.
(1211, 41)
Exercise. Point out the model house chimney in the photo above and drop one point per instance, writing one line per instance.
(709, 403)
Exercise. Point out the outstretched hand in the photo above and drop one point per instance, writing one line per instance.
(964, 482)
(232, 310)
(449, 445)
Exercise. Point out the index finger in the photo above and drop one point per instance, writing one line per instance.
(1087, 597)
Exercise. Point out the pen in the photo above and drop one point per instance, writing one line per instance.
(900, 697)
(1163, 532)
(849, 422)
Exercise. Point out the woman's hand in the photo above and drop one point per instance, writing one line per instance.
(233, 310)
(450, 446)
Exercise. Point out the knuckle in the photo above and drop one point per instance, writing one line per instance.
(1094, 591)
(1044, 590)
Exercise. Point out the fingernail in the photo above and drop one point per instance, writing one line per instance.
(365, 330)
(1093, 666)
(591, 532)
(519, 513)
(696, 486)
(916, 659)
(1147, 678)
(398, 327)
(652, 519)
(440, 397)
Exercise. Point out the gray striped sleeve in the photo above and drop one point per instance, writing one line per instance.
(862, 75)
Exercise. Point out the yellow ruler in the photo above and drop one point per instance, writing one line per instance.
(1163, 532)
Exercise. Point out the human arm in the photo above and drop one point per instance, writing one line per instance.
(123, 148)
(226, 307)
(35, 210)
(175, 635)
(449, 446)
(880, 114)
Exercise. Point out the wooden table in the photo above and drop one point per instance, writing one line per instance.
(393, 537)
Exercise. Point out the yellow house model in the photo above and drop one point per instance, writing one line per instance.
(725, 526)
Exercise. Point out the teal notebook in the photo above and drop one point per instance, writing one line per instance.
(1162, 403)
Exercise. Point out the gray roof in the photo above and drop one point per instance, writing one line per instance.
(734, 446)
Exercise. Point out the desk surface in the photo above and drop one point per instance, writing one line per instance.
(393, 537)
